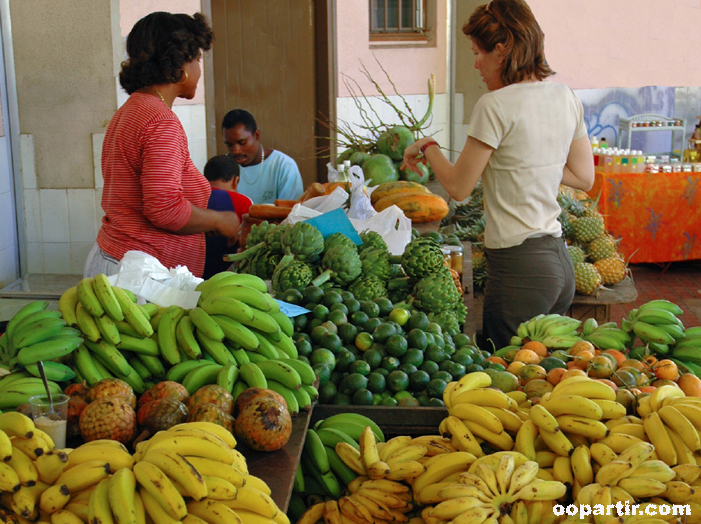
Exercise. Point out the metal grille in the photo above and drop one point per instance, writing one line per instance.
(397, 16)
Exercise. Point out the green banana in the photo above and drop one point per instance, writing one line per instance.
(109, 356)
(674, 330)
(286, 393)
(134, 380)
(48, 350)
(262, 321)
(285, 345)
(36, 332)
(179, 371)
(32, 307)
(284, 322)
(218, 351)
(167, 341)
(67, 304)
(255, 357)
(240, 355)
(332, 436)
(54, 371)
(87, 323)
(185, 337)
(132, 314)
(356, 418)
(103, 291)
(304, 401)
(139, 367)
(201, 376)
(239, 387)
(662, 304)
(339, 468)
(589, 326)
(34, 317)
(229, 307)
(252, 375)
(83, 361)
(154, 365)
(106, 373)
(298, 485)
(205, 323)
(317, 452)
(658, 316)
(305, 371)
(236, 332)
(108, 329)
(266, 348)
(652, 333)
(138, 344)
(245, 294)
(126, 329)
(311, 391)
(280, 372)
(150, 309)
(87, 297)
(227, 377)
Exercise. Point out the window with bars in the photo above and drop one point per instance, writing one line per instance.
(398, 20)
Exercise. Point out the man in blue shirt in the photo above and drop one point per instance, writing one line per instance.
(266, 174)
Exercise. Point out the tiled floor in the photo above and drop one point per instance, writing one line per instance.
(680, 282)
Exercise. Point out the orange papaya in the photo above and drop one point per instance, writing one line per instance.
(418, 206)
(398, 187)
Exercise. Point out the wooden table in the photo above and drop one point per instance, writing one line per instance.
(599, 306)
(278, 468)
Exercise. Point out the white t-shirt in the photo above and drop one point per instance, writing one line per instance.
(531, 127)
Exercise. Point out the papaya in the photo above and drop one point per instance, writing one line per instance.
(398, 187)
(330, 186)
(420, 207)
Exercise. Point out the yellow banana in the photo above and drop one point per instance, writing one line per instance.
(351, 457)
(26, 499)
(678, 492)
(5, 447)
(212, 468)
(259, 484)
(50, 465)
(122, 496)
(24, 467)
(656, 431)
(581, 465)
(483, 397)
(139, 508)
(178, 468)
(619, 442)
(543, 419)
(452, 508)
(636, 430)
(251, 499)
(411, 452)
(220, 489)
(502, 441)
(368, 447)
(379, 469)
(525, 439)
(84, 475)
(191, 445)
(393, 445)
(585, 427)
(406, 470)
(9, 480)
(34, 447)
(587, 388)
(684, 454)
(461, 437)
(619, 494)
(155, 511)
(674, 419)
(573, 405)
(54, 498)
(441, 467)
(391, 500)
(99, 506)
(313, 514)
(65, 516)
(611, 473)
(505, 469)
(602, 454)
(642, 488)
(509, 420)
(610, 409)
(210, 427)
(637, 454)
(478, 415)
(643, 406)
(557, 442)
(664, 392)
(154, 481)
(523, 476)
(377, 509)
(15, 424)
(332, 515)
(687, 473)
(691, 412)
(469, 382)
(117, 458)
(562, 471)
(542, 490)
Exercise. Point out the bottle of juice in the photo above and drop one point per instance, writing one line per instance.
(625, 161)
(641, 161)
(607, 159)
(594, 143)
(603, 144)
(617, 160)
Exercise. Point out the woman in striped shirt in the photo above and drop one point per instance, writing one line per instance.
(154, 198)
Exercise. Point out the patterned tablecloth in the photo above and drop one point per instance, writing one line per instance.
(656, 216)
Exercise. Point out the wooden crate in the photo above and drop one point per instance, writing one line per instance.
(599, 306)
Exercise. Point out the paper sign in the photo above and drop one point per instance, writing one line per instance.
(291, 310)
(335, 221)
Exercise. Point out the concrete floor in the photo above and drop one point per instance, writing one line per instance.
(34, 287)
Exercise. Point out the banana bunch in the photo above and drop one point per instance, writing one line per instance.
(478, 413)
(554, 331)
(36, 334)
(657, 324)
(605, 336)
(490, 491)
(688, 349)
(370, 501)
(19, 386)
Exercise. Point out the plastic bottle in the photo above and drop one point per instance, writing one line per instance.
(641, 161)
(625, 161)
(617, 160)
(596, 152)
(603, 144)
(607, 159)
(594, 143)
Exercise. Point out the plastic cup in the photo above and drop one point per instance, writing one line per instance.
(51, 418)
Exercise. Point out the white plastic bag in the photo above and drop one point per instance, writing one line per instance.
(360, 205)
(148, 279)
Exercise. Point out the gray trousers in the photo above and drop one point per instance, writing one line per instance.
(524, 281)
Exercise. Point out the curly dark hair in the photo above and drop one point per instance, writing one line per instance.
(159, 44)
(511, 23)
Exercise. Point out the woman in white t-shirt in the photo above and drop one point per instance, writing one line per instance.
(526, 137)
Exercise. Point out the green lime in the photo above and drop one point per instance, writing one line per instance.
(313, 294)
(344, 360)
(376, 382)
(323, 356)
(310, 305)
(444, 365)
(400, 315)
(436, 403)
(462, 357)
(485, 353)
(435, 387)
(347, 332)
(429, 366)
(442, 375)
(371, 325)
(317, 333)
(304, 347)
(292, 296)
(321, 312)
(300, 322)
(478, 358)
(371, 309)
(430, 339)
(313, 322)
(346, 295)
(409, 402)
(449, 341)
(418, 380)
(438, 341)
(416, 338)
(338, 317)
(386, 393)
(456, 370)
(352, 383)
(338, 307)
(400, 395)
(336, 377)
(358, 318)
(549, 363)
(360, 366)
(389, 401)
(461, 339)
(327, 392)
(381, 371)
(471, 368)
(413, 356)
(341, 399)
(435, 353)
(407, 368)
(331, 297)
(418, 320)
(304, 359)
(397, 381)
(376, 399)
(362, 397)
(330, 326)
(423, 399)
(390, 363)
(385, 305)
(331, 341)
(373, 358)
(323, 371)
(383, 332)
(380, 348)
(352, 305)
(396, 345)
(434, 328)
(363, 341)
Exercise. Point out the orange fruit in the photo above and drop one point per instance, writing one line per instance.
(647, 389)
(582, 345)
(498, 360)
(527, 356)
(600, 367)
(610, 357)
(531, 372)
(536, 388)
(620, 357)
(555, 375)
(582, 358)
(608, 382)
(573, 373)
(650, 361)
(666, 369)
(690, 384)
(537, 347)
(632, 363)
(515, 367)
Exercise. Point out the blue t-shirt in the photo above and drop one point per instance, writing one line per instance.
(275, 178)
(217, 245)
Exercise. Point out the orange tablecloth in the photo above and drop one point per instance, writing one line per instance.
(656, 216)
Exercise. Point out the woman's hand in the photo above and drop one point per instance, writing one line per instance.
(412, 156)
(229, 226)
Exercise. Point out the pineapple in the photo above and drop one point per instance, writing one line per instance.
(601, 248)
(587, 279)
(576, 254)
(612, 270)
(587, 229)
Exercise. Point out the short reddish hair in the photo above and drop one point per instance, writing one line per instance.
(511, 23)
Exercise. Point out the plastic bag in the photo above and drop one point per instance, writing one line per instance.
(360, 205)
(148, 279)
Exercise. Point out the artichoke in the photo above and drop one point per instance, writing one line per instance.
(422, 257)
(437, 292)
(273, 237)
(371, 240)
(291, 273)
(243, 255)
(341, 264)
(257, 232)
(400, 289)
(375, 262)
(264, 263)
(447, 320)
(338, 239)
(304, 241)
(368, 287)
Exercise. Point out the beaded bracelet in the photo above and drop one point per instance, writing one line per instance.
(422, 149)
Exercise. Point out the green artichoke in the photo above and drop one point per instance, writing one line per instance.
(375, 262)
(248, 253)
(399, 289)
(273, 237)
(257, 232)
(291, 273)
(437, 292)
(447, 320)
(422, 257)
(396, 271)
(341, 264)
(368, 287)
(338, 239)
(264, 263)
(371, 240)
(304, 241)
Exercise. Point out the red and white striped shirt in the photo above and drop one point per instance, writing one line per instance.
(149, 184)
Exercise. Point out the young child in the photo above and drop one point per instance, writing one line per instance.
(223, 173)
